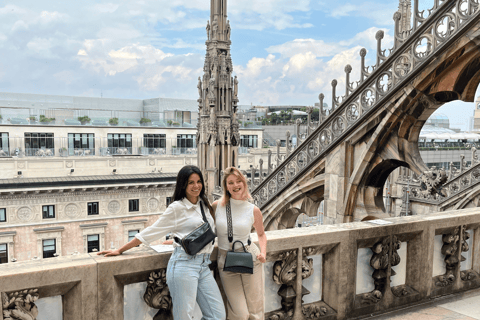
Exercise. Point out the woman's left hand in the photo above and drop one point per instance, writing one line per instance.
(261, 257)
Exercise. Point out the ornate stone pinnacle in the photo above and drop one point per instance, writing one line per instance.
(348, 68)
(288, 133)
(278, 142)
(334, 83)
(380, 34)
(363, 52)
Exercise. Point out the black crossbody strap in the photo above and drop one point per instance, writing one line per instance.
(230, 224)
(203, 212)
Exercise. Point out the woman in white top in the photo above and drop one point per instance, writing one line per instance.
(245, 292)
(189, 278)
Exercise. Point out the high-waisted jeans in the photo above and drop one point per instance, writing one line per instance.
(189, 279)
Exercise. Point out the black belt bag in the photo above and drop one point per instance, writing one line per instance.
(240, 262)
(196, 240)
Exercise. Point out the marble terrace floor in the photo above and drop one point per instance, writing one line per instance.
(464, 306)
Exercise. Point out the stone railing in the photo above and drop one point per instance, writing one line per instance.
(432, 32)
(348, 270)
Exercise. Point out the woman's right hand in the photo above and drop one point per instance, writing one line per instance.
(110, 253)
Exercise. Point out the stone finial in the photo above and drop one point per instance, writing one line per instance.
(298, 122)
(334, 83)
(278, 143)
(309, 110)
(321, 96)
(379, 35)
(288, 133)
(397, 16)
(363, 52)
(260, 161)
(348, 68)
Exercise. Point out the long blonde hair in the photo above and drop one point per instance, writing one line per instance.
(226, 195)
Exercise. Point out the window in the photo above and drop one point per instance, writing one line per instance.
(48, 212)
(248, 141)
(85, 141)
(3, 253)
(133, 205)
(93, 242)
(3, 215)
(185, 142)
(92, 208)
(4, 142)
(49, 248)
(169, 200)
(131, 234)
(34, 141)
(116, 140)
(154, 141)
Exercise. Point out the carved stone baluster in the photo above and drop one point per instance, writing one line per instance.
(450, 251)
(466, 275)
(157, 295)
(20, 305)
(269, 168)
(279, 143)
(260, 163)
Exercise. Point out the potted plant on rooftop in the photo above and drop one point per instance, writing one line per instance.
(84, 120)
(145, 121)
(45, 120)
(32, 119)
(113, 121)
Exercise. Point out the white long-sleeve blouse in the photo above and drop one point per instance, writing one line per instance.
(180, 218)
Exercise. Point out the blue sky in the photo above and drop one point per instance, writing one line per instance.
(284, 51)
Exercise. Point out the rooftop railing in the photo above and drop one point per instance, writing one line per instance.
(323, 272)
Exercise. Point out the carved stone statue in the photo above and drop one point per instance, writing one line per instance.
(20, 305)
(235, 87)
(199, 86)
(208, 30)
(157, 295)
(228, 30)
(211, 89)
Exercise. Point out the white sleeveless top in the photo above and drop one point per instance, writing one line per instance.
(242, 222)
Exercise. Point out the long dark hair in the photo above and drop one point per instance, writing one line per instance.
(182, 182)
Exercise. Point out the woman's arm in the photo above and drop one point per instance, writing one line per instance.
(214, 206)
(262, 237)
(135, 242)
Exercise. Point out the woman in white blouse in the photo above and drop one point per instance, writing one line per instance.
(245, 292)
(188, 277)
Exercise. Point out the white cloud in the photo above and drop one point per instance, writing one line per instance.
(380, 12)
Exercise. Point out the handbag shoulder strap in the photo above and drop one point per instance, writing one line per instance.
(230, 224)
(203, 212)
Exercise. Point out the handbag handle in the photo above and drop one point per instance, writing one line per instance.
(233, 246)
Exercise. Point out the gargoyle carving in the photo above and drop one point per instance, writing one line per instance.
(433, 180)
(157, 295)
(20, 305)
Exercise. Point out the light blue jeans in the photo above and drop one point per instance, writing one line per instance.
(189, 279)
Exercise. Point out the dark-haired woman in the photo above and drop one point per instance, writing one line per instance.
(188, 277)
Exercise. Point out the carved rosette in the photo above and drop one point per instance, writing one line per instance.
(20, 305)
(157, 295)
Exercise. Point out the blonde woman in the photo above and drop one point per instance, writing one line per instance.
(245, 292)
